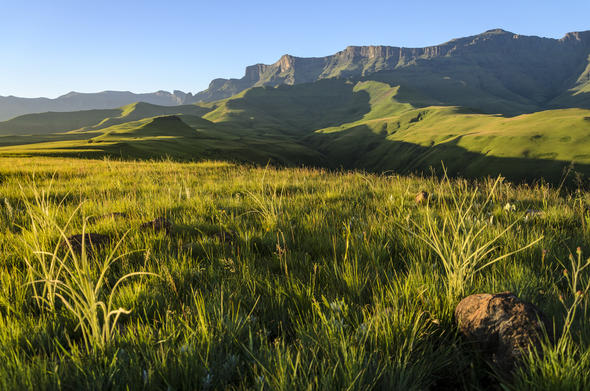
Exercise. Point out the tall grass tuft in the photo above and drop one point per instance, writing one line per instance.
(459, 234)
(268, 202)
(42, 264)
(565, 364)
(76, 280)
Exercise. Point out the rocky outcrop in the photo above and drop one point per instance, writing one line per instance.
(502, 325)
(542, 60)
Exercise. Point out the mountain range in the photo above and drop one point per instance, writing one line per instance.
(523, 73)
(12, 106)
(496, 102)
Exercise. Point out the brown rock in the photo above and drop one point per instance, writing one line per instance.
(159, 224)
(421, 197)
(501, 324)
(91, 242)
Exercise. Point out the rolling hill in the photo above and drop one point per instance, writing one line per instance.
(53, 122)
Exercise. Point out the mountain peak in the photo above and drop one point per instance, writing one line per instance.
(497, 31)
(577, 36)
(286, 62)
(70, 94)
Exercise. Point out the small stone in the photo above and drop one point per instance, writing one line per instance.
(421, 197)
(159, 224)
(502, 325)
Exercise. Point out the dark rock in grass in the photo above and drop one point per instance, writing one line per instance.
(501, 324)
(421, 197)
(159, 224)
(91, 242)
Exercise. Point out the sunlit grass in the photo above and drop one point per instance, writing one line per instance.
(329, 280)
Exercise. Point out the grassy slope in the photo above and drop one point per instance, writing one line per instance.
(293, 109)
(35, 124)
(185, 137)
(395, 135)
(554, 134)
(320, 273)
(44, 123)
(140, 110)
(579, 94)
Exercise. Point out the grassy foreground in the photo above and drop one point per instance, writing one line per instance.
(277, 278)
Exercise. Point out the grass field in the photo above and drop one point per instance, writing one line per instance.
(273, 278)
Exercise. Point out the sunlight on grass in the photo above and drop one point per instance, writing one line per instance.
(457, 232)
(77, 281)
(275, 278)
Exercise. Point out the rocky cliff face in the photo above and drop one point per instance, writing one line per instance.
(538, 69)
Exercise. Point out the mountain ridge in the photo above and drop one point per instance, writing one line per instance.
(528, 73)
(12, 106)
(360, 61)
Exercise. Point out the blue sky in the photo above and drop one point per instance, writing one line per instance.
(52, 47)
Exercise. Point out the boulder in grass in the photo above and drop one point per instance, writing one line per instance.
(502, 325)
(421, 197)
(91, 242)
(159, 224)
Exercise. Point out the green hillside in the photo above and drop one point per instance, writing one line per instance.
(140, 110)
(59, 122)
(366, 124)
(295, 109)
(35, 124)
(374, 126)
(522, 147)
(184, 137)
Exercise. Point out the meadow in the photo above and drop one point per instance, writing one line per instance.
(278, 278)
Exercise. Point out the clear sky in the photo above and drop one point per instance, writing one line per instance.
(51, 47)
